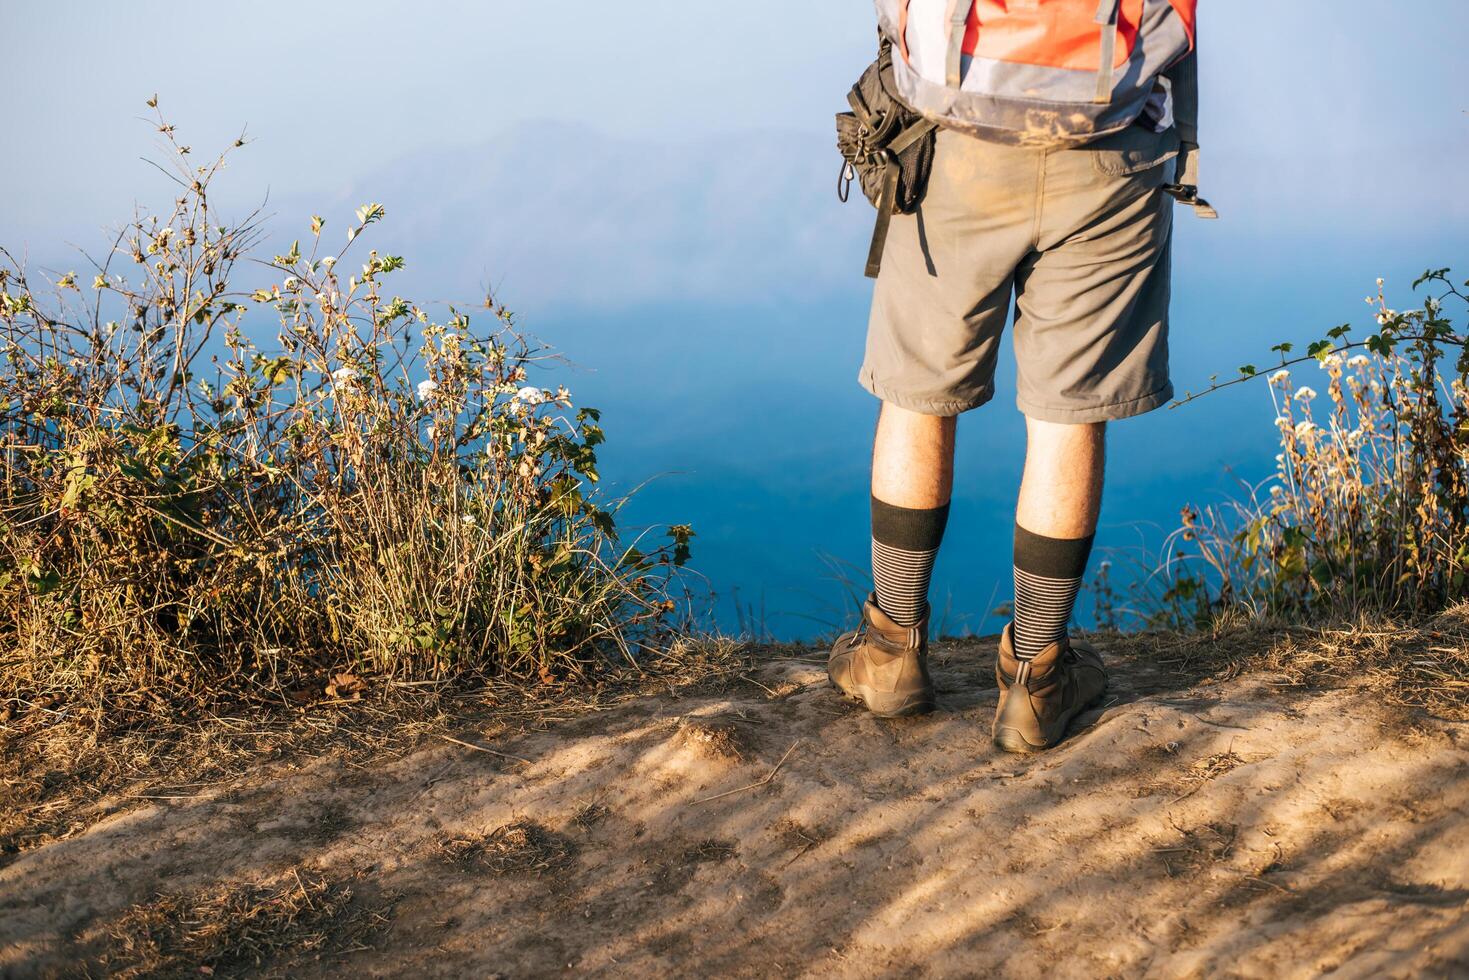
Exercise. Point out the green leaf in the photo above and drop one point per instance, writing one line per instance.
(681, 534)
(369, 213)
(1431, 274)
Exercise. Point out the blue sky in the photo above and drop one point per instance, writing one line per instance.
(1347, 104)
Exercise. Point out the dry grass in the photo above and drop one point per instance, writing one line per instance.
(1196, 849)
(212, 490)
(710, 851)
(236, 929)
(1417, 665)
(520, 848)
(1367, 512)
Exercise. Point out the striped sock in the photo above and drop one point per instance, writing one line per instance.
(905, 542)
(1048, 574)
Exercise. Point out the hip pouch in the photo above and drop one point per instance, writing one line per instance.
(886, 147)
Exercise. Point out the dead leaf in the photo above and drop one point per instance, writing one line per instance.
(345, 685)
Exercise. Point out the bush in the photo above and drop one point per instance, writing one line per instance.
(1368, 510)
(184, 514)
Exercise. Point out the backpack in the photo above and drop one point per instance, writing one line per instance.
(886, 147)
(1034, 72)
(1051, 73)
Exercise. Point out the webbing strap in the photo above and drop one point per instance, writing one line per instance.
(1185, 187)
(1107, 16)
(911, 135)
(859, 107)
(958, 22)
(889, 197)
(885, 203)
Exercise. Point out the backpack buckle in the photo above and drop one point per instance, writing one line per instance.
(1189, 194)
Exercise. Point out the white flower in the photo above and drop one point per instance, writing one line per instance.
(1386, 316)
(1359, 360)
(1379, 282)
(1276, 491)
(1330, 361)
(329, 261)
(468, 520)
(1304, 429)
(430, 433)
(1280, 377)
(290, 283)
(1305, 393)
(1280, 458)
(345, 375)
(426, 389)
(530, 395)
(1283, 422)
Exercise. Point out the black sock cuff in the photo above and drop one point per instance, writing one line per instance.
(908, 528)
(1051, 557)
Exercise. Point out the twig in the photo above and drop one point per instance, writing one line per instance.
(304, 893)
(1220, 724)
(755, 785)
(810, 843)
(481, 748)
(759, 685)
(1279, 888)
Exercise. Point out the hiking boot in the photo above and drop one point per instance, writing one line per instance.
(884, 664)
(1039, 697)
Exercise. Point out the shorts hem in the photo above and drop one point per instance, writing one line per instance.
(943, 407)
(1110, 412)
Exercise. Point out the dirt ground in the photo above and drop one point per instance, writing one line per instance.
(763, 827)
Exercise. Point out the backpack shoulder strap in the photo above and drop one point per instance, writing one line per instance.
(958, 24)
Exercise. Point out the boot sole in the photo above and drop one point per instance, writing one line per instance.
(883, 705)
(1010, 740)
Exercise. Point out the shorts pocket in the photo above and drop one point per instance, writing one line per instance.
(1133, 150)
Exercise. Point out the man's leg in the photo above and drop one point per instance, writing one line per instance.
(1055, 520)
(884, 662)
(912, 480)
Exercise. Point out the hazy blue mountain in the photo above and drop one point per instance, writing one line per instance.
(557, 215)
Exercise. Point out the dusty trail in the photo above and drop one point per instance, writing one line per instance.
(1219, 828)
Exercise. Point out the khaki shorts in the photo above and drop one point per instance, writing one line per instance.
(1080, 236)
